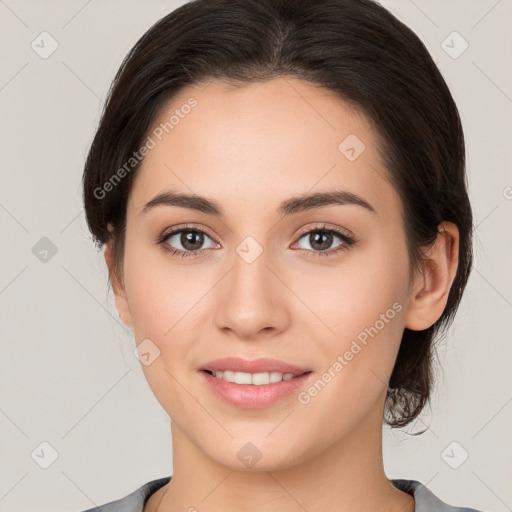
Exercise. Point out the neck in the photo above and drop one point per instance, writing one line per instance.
(348, 476)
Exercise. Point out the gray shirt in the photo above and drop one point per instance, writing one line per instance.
(426, 501)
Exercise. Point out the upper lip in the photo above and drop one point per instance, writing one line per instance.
(236, 364)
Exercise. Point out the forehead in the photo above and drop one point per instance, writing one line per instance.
(261, 140)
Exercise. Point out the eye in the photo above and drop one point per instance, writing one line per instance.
(321, 238)
(190, 239)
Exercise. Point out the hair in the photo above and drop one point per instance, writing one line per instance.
(354, 48)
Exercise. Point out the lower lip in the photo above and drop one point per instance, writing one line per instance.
(250, 396)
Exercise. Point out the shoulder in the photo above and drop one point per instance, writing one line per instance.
(426, 500)
(135, 501)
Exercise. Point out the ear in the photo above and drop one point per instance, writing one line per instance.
(432, 286)
(117, 285)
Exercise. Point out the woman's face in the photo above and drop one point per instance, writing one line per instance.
(271, 281)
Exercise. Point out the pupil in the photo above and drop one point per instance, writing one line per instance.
(314, 240)
(192, 240)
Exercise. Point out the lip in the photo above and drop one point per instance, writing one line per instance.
(250, 396)
(237, 364)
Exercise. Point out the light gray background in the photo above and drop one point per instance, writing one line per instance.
(68, 375)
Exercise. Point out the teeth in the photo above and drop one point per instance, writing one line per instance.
(252, 378)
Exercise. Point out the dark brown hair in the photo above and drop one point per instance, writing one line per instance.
(355, 48)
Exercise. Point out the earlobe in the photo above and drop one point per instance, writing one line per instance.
(430, 293)
(117, 286)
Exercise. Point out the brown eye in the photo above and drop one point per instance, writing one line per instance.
(185, 241)
(321, 239)
(191, 240)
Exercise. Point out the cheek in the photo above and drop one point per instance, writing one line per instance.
(161, 302)
(352, 296)
(358, 361)
(163, 299)
(159, 293)
(363, 305)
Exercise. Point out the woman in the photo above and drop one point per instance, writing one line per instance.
(280, 188)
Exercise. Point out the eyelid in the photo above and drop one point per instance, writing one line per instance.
(325, 226)
(186, 227)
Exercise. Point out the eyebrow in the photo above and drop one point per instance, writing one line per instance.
(290, 206)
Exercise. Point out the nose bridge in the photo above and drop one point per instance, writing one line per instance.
(250, 278)
(249, 299)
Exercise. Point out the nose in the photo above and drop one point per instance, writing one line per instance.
(251, 301)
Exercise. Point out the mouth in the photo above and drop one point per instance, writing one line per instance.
(253, 384)
(255, 379)
(253, 367)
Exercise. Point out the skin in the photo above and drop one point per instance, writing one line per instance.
(248, 149)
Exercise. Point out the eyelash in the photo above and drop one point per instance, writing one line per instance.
(346, 239)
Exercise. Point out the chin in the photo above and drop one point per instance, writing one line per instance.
(255, 456)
